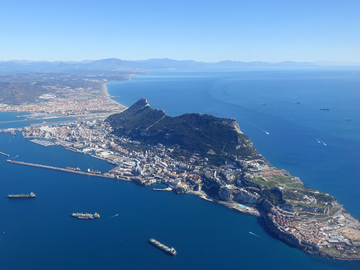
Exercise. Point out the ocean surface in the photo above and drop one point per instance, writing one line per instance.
(318, 146)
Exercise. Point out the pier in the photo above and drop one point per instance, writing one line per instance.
(58, 169)
(4, 154)
(42, 142)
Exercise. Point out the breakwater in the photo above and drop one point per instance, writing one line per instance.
(58, 169)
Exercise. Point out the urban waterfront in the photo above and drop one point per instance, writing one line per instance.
(203, 233)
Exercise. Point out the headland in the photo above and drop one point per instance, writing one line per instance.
(199, 154)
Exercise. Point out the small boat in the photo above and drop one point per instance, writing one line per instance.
(347, 119)
(324, 109)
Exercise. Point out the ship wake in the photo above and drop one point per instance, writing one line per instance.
(113, 216)
(254, 234)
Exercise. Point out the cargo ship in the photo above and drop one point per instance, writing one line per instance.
(171, 251)
(89, 217)
(15, 196)
(73, 169)
(85, 216)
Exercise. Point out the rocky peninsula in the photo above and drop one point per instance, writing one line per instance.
(221, 161)
(195, 153)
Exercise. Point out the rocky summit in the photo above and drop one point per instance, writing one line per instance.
(217, 138)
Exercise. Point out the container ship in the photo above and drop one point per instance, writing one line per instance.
(15, 196)
(85, 216)
(171, 251)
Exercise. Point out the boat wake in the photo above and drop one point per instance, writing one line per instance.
(254, 234)
(320, 141)
(14, 157)
(267, 133)
(113, 216)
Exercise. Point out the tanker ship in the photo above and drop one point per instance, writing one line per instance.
(171, 251)
(15, 196)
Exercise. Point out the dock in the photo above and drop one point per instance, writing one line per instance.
(4, 154)
(42, 142)
(57, 169)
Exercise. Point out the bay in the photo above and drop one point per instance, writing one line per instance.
(40, 234)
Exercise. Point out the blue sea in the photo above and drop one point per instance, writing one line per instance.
(318, 146)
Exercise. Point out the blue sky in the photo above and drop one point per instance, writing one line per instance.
(209, 31)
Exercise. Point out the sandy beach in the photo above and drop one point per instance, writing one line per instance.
(105, 90)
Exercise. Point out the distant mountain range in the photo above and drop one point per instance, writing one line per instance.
(113, 64)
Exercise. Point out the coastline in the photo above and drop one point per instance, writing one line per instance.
(107, 95)
(105, 90)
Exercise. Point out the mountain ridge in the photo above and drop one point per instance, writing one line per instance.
(207, 135)
(114, 64)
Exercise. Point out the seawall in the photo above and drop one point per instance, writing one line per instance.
(58, 169)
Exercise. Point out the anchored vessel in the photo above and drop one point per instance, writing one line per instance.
(172, 251)
(324, 109)
(73, 169)
(14, 196)
(94, 171)
(85, 215)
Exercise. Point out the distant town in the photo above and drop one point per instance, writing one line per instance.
(310, 220)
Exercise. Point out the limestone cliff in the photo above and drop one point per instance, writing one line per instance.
(193, 132)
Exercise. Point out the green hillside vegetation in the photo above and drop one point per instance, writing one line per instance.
(292, 192)
(20, 92)
(190, 132)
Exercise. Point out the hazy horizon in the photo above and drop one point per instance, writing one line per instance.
(205, 31)
(318, 62)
